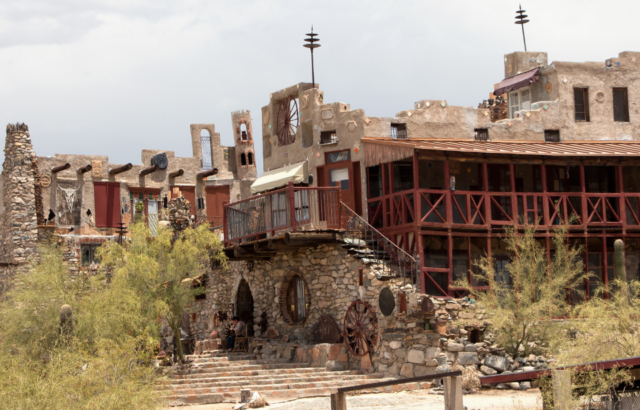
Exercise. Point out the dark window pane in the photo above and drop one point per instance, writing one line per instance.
(375, 181)
(620, 105)
(339, 156)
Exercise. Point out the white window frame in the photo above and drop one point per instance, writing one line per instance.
(521, 105)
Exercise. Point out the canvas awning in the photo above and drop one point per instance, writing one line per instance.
(517, 81)
(278, 178)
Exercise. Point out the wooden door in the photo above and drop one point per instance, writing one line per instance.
(216, 196)
(342, 173)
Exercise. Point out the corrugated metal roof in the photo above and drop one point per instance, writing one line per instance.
(563, 149)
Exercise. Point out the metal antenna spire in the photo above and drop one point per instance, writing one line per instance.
(312, 40)
(520, 19)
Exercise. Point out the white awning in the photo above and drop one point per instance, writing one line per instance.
(278, 178)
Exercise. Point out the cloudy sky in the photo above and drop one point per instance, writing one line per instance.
(112, 77)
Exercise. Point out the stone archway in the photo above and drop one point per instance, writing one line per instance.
(244, 305)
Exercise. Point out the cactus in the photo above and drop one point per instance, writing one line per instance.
(618, 261)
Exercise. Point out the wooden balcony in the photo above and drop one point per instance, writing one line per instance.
(287, 210)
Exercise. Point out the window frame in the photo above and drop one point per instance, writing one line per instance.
(481, 131)
(399, 131)
(92, 247)
(520, 106)
(585, 104)
(626, 103)
(548, 136)
(333, 137)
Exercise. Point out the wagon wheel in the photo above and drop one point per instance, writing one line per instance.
(288, 121)
(360, 328)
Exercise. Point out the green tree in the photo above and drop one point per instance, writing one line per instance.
(161, 269)
(522, 310)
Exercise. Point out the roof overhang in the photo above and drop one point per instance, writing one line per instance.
(278, 178)
(381, 150)
(517, 81)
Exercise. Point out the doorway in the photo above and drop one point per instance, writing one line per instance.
(216, 197)
(340, 171)
(244, 306)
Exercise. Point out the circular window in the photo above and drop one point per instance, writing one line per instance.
(294, 299)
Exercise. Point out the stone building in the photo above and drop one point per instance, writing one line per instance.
(82, 199)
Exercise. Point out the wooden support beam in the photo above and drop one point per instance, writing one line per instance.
(148, 170)
(55, 170)
(310, 239)
(176, 174)
(120, 169)
(338, 401)
(453, 393)
(84, 169)
(208, 173)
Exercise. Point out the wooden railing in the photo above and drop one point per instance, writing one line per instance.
(288, 209)
(476, 209)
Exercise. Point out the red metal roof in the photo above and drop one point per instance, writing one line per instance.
(536, 374)
(563, 149)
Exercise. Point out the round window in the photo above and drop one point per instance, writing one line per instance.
(295, 304)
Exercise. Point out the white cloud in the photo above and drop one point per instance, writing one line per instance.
(114, 77)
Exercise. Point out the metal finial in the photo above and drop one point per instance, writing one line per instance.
(312, 44)
(521, 19)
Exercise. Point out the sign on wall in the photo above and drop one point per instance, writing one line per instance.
(96, 169)
(68, 202)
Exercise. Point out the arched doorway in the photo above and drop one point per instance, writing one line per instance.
(244, 306)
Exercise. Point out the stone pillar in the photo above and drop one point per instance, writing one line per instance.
(19, 220)
(243, 139)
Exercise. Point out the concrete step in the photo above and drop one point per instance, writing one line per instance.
(283, 394)
(275, 380)
(259, 370)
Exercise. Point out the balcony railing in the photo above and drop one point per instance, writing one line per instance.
(476, 209)
(289, 209)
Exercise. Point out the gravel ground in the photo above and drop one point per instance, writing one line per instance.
(488, 400)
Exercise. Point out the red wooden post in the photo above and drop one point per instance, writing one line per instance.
(225, 223)
(392, 211)
(420, 252)
(514, 198)
(450, 262)
(339, 205)
(586, 266)
(605, 265)
(292, 207)
(487, 200)
(417, 200)
(545, 202)
(621, 201)
(583, 198)
(447, 186)
(385, 192)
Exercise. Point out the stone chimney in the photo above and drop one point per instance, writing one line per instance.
(521, 61)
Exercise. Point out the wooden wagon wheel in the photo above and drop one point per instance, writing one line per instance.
(288, 121)
(360, 329)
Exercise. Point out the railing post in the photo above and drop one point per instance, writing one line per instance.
(338, 401)
(453, 393)
(340, 226)
(224, 222)
(292, 207)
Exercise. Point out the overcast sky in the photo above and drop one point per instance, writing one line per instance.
(111, 77)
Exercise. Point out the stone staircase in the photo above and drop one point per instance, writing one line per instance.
(216, 377)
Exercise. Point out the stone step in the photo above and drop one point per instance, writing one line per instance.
(234, 358)
(261, 370)
(209, 365)
(275, 380)
(217, 353)
(282, 394)
(269, 387)
(267, 376)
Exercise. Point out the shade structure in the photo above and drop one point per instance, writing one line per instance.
(517, 81)
(278, 178)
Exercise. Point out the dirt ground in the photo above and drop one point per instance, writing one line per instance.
(412, 400)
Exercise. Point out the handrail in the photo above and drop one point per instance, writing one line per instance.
(400, 381)
(396, 254)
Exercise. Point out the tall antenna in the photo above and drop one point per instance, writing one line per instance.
(312, 40)
(521, 19)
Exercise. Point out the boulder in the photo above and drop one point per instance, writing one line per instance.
(415, 356)
(272, 333)
(257, 401)
(487, 370)
(407, 370)
(335, 366)
(455, 347)
(432, 352)
(525, 385)
(514, 385)
(498, 363)
(468, 358)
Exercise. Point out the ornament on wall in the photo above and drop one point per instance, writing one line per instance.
(600, 97)
(546, 107)
(160, 160)
(96, 169)
(318, 154)
(45, 181)
(304, 101)
(549, 87)
(443, 104)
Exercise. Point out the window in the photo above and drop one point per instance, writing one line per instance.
(199, 284)
(88, 255)
(243, 132)
(519, 101)
(620, 105)
(328, 137)
(294, 299)
(399, 131)
(243, 159)
(552, 135)
(402, 176)
(338, 156)
(205, 144)
(250, 158)
(481, 134)
(581, 103)
(340, 175)
(107, 200)
(375, 181)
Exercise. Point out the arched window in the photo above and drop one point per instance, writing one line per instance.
(243, 159)
(297, 299)
(205, 143)
(244, 134)
(250, 156)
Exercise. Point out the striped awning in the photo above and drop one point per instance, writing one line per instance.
(535, 148)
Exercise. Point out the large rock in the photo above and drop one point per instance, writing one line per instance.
(455, 347)
(407, 370)
(335, 366)
(432, 352)
(487, 370)
(415, 356)
(257, 401)
(514, 385)
(468, 358)
(498, 363)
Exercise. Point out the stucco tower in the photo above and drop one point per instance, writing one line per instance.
(243, 139)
